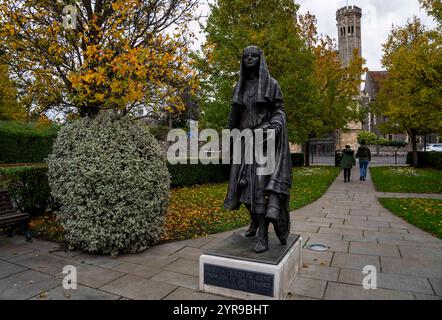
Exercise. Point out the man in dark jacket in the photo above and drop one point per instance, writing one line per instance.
(347, 162)
(364, 155)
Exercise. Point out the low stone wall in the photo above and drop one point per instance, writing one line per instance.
(386, 151)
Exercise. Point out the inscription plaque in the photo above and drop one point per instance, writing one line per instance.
(241, 280)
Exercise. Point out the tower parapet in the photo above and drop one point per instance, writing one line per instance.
(349, 32)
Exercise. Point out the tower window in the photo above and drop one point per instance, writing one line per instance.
(352, 29)
(349, 29)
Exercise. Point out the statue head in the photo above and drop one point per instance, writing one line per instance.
(251, 57)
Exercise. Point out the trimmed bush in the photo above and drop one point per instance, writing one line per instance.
(297, 159)
(368, 137)
(392, 143)
(426, 159)
(160, 132)
(187, 175)
(24, 142)
(28, 187)
(112, 183)
(371, 138)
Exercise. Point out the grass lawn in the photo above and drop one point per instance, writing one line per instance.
(198, 211)
(425, 214)
(407, 180)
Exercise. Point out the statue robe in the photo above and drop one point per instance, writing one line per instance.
(267, 109)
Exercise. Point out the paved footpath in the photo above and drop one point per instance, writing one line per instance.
(348, 219)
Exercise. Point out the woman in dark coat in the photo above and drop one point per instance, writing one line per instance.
(258, 105)
(347, 162)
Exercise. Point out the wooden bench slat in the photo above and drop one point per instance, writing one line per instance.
(9, 216)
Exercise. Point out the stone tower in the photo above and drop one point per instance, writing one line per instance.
(349, 32)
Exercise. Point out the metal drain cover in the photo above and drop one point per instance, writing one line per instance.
(318, 247)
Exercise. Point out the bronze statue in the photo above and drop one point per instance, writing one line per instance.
(258, 104)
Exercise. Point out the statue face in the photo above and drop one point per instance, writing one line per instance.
(251, 57)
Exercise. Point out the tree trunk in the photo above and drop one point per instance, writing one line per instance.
(413, 137)
(307, 153)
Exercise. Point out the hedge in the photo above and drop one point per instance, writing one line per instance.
(426, 159)
(25, 142)
(187, 175)
(28, 186)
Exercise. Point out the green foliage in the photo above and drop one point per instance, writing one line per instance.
(28, 187)
(392, 143)
(411, 96)
(22, 142)
(367, 137)
(297, 159)
(406, 180)
(434, 8)
(159, 132)
(186, 175)
(10, 109)
(112, 183)
(425, 214)
(427, 159)
(270, 25)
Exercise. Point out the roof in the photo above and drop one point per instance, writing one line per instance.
(373, 81)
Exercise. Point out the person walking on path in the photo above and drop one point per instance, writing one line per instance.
(364, 155)
(347, 162)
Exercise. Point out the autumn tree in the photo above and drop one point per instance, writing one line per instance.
(434, 8)
(336, 86)
(9, 107)
(102, 54)
(411, 97)
(270, 25)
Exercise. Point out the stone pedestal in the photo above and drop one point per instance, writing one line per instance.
(233, 269)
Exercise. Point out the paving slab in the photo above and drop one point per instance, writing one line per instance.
(354, 261)
(319, 272)
(420, 296)
(341, 231)
(310, 257)
(420, 268)
(138, 288)
(339, 291)
(26, 285)
(137, 270)
(177, 279)
(147, 260)
(10, 251)
(196, 243)
(388, 281)
(81, 293)
(188, 294)
(164, 249)
(8, 269)
(374, 249)
(42, 262)
(437, 286)
(184, 266)
(94, 276)
(422, 253)
(307, 287)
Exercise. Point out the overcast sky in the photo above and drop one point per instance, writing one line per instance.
(378, 17)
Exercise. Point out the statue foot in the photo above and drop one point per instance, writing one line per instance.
(283, 240)
(261, 246)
